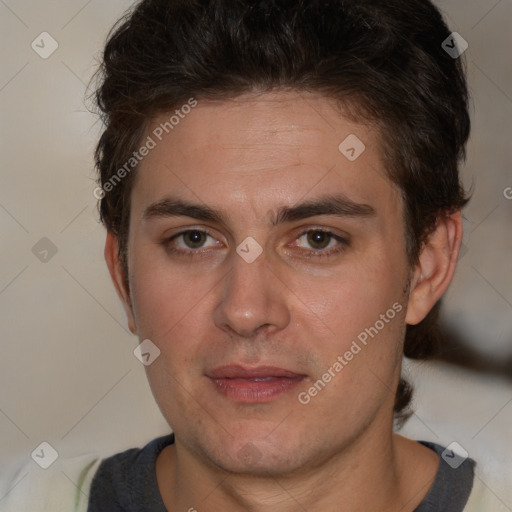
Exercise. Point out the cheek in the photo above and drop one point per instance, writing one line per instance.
(173, 310)
(360, 354)
(360, 317)
(163, 296)
(354, 297)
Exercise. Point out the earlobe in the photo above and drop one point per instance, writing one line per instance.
(118, 278)
(435, 268)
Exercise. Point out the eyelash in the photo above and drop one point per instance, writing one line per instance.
(343, 243)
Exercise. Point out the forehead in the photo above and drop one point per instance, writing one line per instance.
(261, 148)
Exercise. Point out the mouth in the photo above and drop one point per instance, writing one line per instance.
(253, 385)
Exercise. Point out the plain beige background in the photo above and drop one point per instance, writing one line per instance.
(67, 369)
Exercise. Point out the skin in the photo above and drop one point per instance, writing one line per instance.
(290, 308)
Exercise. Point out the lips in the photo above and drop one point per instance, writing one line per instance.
(253, 385)
(240, 372)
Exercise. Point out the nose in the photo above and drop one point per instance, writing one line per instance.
(253, 299)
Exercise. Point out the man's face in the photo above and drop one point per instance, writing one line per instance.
(245, 336)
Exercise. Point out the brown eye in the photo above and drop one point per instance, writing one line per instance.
(319, 239)
(190, 242)
(319, 243)
(194, 239)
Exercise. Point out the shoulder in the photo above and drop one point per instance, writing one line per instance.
(127, 481)
(80, 484)
(489, 495)
(464, 485)
(63, 487)
(452, 484)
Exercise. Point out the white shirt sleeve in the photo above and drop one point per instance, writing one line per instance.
(485, 499)
(63, 487)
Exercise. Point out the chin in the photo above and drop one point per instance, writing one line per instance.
(258, 458)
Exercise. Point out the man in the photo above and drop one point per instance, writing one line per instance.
(279, 182)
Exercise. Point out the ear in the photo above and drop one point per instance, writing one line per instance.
(435, 268)
(116, 273)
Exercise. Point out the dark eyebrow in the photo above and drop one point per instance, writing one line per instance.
(337, 205)
(178, 208)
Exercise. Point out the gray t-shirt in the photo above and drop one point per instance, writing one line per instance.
(126, 482)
